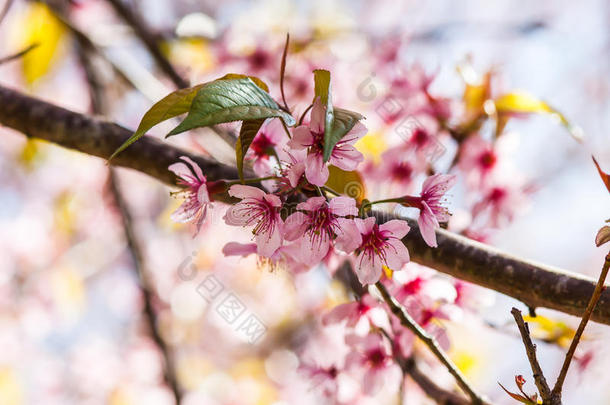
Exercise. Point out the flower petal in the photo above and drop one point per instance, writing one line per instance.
(316, 170)
(343, 206)
(427, 225)
(295, 226)
(396, 227)
(242, 191)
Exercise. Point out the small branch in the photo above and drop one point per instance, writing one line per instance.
(18, 54)
(581, 327)
(438, 394)
(169, 372)
(530, 350)
(133, 243)
(407, 321)
(5, 9)
(149, 40)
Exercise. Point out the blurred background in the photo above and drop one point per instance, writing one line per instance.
(74, 325)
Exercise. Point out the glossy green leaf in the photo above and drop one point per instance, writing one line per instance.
(228, 100)
(248, 131)
(343, 122)
(172, 105)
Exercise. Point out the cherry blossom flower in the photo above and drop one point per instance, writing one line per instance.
(430, 205)
(360, 314)
(263, 146)
(317, 223)
(372, 355)
(311, 137)
(501, 200)
(261, 210)
(284, 256)
(381, 246)
(196, 194)
(477, 160)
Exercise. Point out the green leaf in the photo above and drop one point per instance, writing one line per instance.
(322, 90)
(172, 105)
(228, 100)
(347, 183)
(255, 79)
(343, 122)
(248, 131)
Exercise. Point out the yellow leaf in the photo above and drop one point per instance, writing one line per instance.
(550, 330)
(40, 26)
(520, 102)
(347, 183)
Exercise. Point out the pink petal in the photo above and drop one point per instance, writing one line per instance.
(195, 167)
(346, 157)
(372, 382)
(427, 225)
(268, 243)
(365, 226)
(438, 184)
(316, 170)
(396, 228)
(397, 254)
(343, 206)
(295, 226)
(301, 138)
(340, 313)
(348, 236)
(295, 172)
(186, 212)
(239, 249)
(237, 215)
(241, 191)
(313, 250)
(368, 269)
(312, 204)
(180, 170)
(202, 194)
(273, 200)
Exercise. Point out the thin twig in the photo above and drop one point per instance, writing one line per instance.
(556, 393)
(530, 350)
(18, 54)
(5, 9)
(429, 387)
(133, 243)
(169, 372)
(149, 40)
(410, 323)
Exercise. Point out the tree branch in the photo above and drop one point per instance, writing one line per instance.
(556, 393)
(533, 284)
(407, 321)
(150, 41)
(530, 350)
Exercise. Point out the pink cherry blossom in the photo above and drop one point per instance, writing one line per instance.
(365, 311)
(372, 355)
(381, 246)
(477, 160)
(311, 137)
(197, 198)
(261, 210)
(431, 205)
(502, 200)
(266, 141)
(318, 222)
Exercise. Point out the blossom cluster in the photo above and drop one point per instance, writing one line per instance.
(294, 221)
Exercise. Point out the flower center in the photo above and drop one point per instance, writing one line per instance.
(488, 159)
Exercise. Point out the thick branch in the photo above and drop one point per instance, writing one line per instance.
(533, 284)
